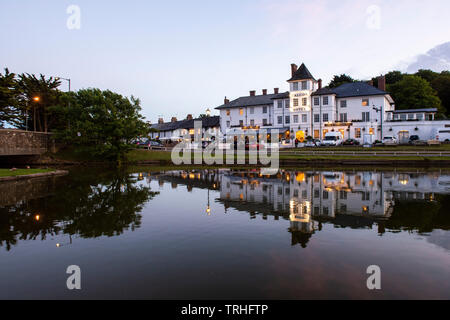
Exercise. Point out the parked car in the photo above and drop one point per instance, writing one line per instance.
(351, 142)
(155, 145)
(333, 139)
(313, 143)
(390, 140)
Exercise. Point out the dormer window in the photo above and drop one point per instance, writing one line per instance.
(295, 86)
(304, 85)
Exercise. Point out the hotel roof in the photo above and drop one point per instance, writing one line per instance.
(302, 73)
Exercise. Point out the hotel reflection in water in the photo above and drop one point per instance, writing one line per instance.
(309, 198)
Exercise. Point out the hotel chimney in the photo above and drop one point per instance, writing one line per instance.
(382, 83)
(226, 101)
(252, 93)
(174, 119)
(294, 68)
(160, 121)
(276, 90)
(189, 117)
(264, 91)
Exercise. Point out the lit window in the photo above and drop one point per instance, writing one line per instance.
(357, 133)
(304, 101)
(365, 102)
(241, 111)
(228, 112)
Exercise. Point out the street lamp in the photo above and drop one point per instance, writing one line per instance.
(68, 80)
(380, 109)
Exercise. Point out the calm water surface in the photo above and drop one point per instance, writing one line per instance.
(222, 234)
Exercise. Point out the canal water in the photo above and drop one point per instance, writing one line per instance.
(227, 234)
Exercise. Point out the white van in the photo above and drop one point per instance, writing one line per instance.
(442, 134)
(333, 139)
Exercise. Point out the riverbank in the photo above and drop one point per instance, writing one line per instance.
(22, 174)
(387, 156)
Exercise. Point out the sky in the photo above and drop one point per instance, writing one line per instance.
(183, 57)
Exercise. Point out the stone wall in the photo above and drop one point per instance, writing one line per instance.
(19, 142)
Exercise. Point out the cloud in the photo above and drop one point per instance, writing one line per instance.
(437, 59)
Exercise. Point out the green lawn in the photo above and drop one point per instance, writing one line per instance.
(21, 172)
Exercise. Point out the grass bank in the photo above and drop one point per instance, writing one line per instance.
(22, 172)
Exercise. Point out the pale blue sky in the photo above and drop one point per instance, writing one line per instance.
(182, 57)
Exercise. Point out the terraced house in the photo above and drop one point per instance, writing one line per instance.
(358, 110)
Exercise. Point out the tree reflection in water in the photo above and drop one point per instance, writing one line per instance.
(88, 205)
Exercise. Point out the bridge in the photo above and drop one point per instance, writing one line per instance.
(24, 143)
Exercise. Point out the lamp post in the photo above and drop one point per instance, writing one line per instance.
(380, 109)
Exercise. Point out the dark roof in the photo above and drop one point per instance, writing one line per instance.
(302, 73)
(283, 95)
(249, 101)
(323, 91)
(207, 122)
(415, 110)
(357, 89)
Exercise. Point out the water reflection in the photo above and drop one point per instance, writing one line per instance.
(90, 205)
(385, 201)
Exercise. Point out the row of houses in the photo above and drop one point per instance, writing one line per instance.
(358, 110)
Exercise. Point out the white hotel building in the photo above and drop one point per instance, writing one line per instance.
(358, 110)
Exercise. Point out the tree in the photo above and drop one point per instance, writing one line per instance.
(9, 99)
(39, 95)
(428, 75)
(442, 85)
(101, 122)
(413, 92)
(339, 80)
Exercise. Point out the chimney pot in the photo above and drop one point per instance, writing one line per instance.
(226, 101)
(189, 117)
(174, 119)
(252, 93)
(264, 91)
(382, 83)
(160, 120)
(276, 90)
(294, 68)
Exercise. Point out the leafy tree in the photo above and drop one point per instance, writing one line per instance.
(442, 85)
(339, 80)
(39, 95)
(428, 75)
(413, 92)
(9, 99)
(101, 122)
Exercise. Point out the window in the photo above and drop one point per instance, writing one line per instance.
(419, 116)
(403, 117)
(343, 117)
(344, 104)
(265, 122)
(357, 133)
(252, 122)
(288, 119)
(295, 102)
(325, 195)
(304, 101)
(241, 111)
(280, 119)
(252, 110)
(304, 118)
(295, 86)
(241, 122)
(316, 101)
(365, 116)
(295, 119)
(411, 116)
(365, 102)
(280, 104)
(264, 110)
(325, 117)
(228, 112)
(325, 100)
(228, 124)
(317, 118)
(286, 103)
(371, 131)
(304, 85)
